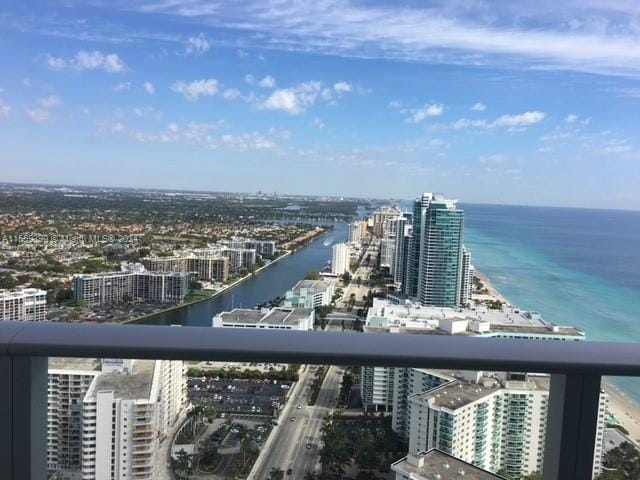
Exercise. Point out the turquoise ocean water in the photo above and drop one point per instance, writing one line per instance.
(575, 266)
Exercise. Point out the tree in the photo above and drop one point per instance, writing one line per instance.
(533, 476)
(183, 464)
(276, 474)
(312, 276)
(346, 277)
(624, 462)
(7, 281)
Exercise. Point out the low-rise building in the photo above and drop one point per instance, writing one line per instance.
(310, 294)
(282, 318)
(23, 304)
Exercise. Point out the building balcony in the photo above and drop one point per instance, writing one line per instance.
(576, 369)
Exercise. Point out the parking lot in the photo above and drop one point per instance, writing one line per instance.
(236, 396)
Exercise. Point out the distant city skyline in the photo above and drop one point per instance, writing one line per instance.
(532, 105)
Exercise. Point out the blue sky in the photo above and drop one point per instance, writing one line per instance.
(500, 102)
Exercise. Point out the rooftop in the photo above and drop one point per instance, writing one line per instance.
(416, 318)
(436, 464)
(458, 393)
(20, 292)
(316, 285)
(73, 363)
(127, 386)
(275, 316)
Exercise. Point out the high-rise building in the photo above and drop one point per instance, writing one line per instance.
(466, 278)
(355, 231)
(440, 254)
(106, 418)
(117, 287)
(402, 242)
(340, 259)
(69, 381)
(23, 304)
(125, 413)
(203, 267)
(494, 423)
(387, 249)
(420, 206)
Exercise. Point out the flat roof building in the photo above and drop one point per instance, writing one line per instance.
(283, 318)
(310, 294)
(23, 304)
(434, 464)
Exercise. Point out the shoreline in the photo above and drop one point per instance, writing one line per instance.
(299, 243)
(621, 407)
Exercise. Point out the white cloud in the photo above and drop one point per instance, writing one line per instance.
(249, 79)
(122, 87)
(514, 122)
(571, 118)
(521, 120)
(83, 60)
(39, 115)
(592, 36)
(495, 159)
(201, 134)
(294, 100)
(196, 89)
(479, 107)
(5, 110)
(42, 112)
(267, 82)
(52, 101)
(198, 45)
(149, 88)
(342, 87)
(147, 112)
(318, 123)
(427, 111)
(394, 105)
(231, 94)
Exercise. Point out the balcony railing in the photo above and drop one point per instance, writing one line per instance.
(576, 369)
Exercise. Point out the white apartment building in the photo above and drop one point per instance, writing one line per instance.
(68, 383)
(281, 318)
(466, 279)
(309, 294)
(387, 251)
(23, 304)
(340, 259)
(105, 418)
(117, 287)
(126, 412)
(435, 464)
(495, 421)
(357, 231)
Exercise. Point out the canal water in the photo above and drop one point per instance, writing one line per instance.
(266, 285)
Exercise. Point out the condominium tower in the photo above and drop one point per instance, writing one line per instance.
(23, 304)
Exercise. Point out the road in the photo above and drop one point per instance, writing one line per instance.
(363, 272)
(289, 448)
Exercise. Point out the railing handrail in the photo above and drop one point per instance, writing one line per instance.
(331, 348)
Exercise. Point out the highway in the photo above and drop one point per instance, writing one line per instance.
(288, 449)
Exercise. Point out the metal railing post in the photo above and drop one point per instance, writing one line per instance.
(571, 427)
(23, 417)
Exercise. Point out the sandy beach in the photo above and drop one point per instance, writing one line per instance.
(493, 293)
(626, 411)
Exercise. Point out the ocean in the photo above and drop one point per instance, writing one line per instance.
(577, 267)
